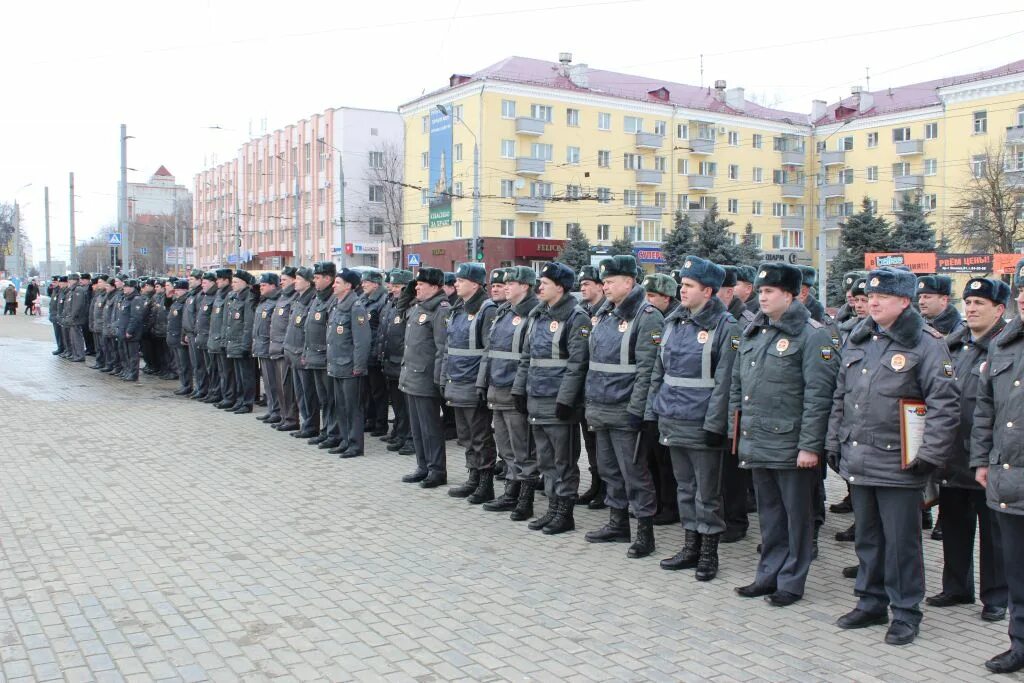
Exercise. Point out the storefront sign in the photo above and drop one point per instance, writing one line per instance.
(930, 262)
(791, 257)
(648, 255)
(538, 249)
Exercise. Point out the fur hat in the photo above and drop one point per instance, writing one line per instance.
(623, 264)
(181, 283)
(731, 273)
(859, 287)
(290, 271)
(588, 273)
(996, 291)
(244, 275)
(850, 279)
(131, 282)
(498, 276)
(397, 276)
(474, 272)
(449, 279)
(305, 272)
(373, 276)
(223, 273)
(659, 283)
(270, 279)
(705, 272)
(325, 268)
(782, 275)
(197, 273)
(350, 276)
(521, 274)
(935, 284)
(84, 276)
(208, 275)
(432, 276)
(560, 274)
(746, 274)
(808, 276)
(891, 281)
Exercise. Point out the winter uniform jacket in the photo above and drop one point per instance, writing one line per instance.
(844, 313)
(468, 324)
(624, 345)
(505, 342)
(689, 392)
(314, 352)
(349, 338)
(879, 367)
(740, 313)
(782, 382)
(262, 321)
(390, 347)
(238, 314)
(111, 313)
(217, 313)
(159, 305)
(78, 310)
(175, 319)
(996, 441)
(553, 364)
(53, 311)
(204, 317)
(425, 336)
(96, 313)
(295, 337)
(138, 309)
(947, 322)
(374, 305)
(846, 328)
(968, 355)
(189, 310)
(280, 317)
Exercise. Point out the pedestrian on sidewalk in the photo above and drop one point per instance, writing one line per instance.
(10, 300)
(32, 298)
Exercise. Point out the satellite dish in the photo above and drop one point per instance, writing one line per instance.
(520, 184)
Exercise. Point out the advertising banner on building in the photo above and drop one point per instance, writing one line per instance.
(919, 262)
(942, 263)
(440, 178)
(964, 263)
(648, 255)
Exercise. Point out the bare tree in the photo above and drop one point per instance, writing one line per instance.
(991, 204)
(386, 174)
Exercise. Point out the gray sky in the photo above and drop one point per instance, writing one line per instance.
(74, 71)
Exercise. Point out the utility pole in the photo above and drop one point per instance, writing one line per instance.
(822, 179)
(177, 238)
(17, 240)
(238, 229)
(341, 209)
(298, 231)
(73, 260)
(476, 198)
(122, 202)
(46, 213)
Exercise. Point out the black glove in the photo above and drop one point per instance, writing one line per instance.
(440, 390)
(563, 412)
(650, 429)
(713, 440)
(832, 458)
(520, 402)
(634, 421)
(481, 397)
(921, 467)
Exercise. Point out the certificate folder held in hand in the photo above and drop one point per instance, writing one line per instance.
(912, 419)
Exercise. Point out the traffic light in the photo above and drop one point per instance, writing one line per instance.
(479, 256)
(469, 250)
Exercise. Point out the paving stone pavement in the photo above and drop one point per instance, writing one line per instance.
(147, 537)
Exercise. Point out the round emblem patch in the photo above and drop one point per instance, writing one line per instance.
(217, 310)
(190, 302)
(763, 274)
(623, 326)
(981, 368)
(237, 315)
(553, 326)
(422, 318)
(593, 321)
(340, 329)
(782, 345)
(174, 313)
(206, 307)
(976, 284)
(470, 316)
(316, 316)
(298, 319)
(280, 311)
(702, 336)
(898, 362)
(688, 264)
(516, 320)
(920, 285)
(874, 282)
(263, 314)
(398, 319)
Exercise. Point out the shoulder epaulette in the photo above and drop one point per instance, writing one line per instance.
(934, 332)
(815, 324)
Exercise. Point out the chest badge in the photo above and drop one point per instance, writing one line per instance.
(423, 318)
(516, 320)
(174, 313)
(593, 321)
(206, 307)
(237, 315)
(316, 316)
(398, 319)
(898, 362)
(553, 326)
(280, 311)
(981, 368)
(702, 336)
(782, 345)
(340, 329)
(217, 310)
(623, 326)
(263, 314)
(298, 319)
(470, 316)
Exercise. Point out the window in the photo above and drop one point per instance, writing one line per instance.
(604, 121)
(604, 158)
(978, 165)
(540, 189)
(846, 176)
(929, 202)
(845, 144)
(931, 166)
(572, 155)
(820, 146)
(457, 112)
(631, 161)
(457, 152)
(631, 197)
(980, 122)
(424, 232)
(1020, 115)
(734, 172)
(872, 174)
(901, 134)
(572, 117)
(660, 199)
(508, 188)
(457, 227)
(660, 127)
(758, 175)
(604, 232)
(508, 149)
(629, 232)
(682, 131)
(780, 177)
(508, 227)
(900, 169)
(307, 158)
(508, 109)
(541, 111)
(660, 164)
(779, 209)
(604, 195)
(573, 191)
(757, 141)
(649, 231)
(707, 168)
(540, 228)
(706, 131)
(634, 124)
(425, 160)
(376, 193)
(457, 189)
(733, 206)
(425, 128)
(376, 159)
(756, 208)
(873, 139)
(753, 238)
(320, 227)
(792, 239)
(931, 131)
(683, 166)
(376, 226)
(540, 150)
(734, 138)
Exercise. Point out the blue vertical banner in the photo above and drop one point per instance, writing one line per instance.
(440, 193)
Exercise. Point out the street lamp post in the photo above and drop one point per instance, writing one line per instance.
(476, 181)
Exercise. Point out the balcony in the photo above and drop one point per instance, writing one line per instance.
(531, 205)
(835, 157)
(702, 146)
(529, 126)
(696, 215)
(1015, 135)
(649, 140)
(906, 148)
(529, 166)
(1015, 179)
(653, 213)
(833, 190)
(792, 190)
(793, 158)
(701, 182)
(646, 176)
(832, 222)
(792, 222)
(909, 182)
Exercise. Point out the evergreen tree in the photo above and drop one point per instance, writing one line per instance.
(862, 232)
(622, 246)
(912, 232)
(577, 250)
(678, 244)
(749, 253)
(714, 241)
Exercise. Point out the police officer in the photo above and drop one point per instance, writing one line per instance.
(111, 313)
(77, 314)
(997, 454)
(623, 349)
(53, 313)
(781, 393)
(506, 338)
(159, 304)
(591, 300)
(303, 380)
(96, 318)
(962, 499)
(225, 368)
(262, 321)
(314, 354)
(810, 280)
(933, 293)
(745, 276)
(196, 357)
(239, 310)
(391, 349)
(420, 379)
(848, 310)
(176, 339)
(468, 322)
(689, 398)
(134, 314)
(375, 392)
(496, 288)
(726, 293)
(349, 339)
(279, 378)
(67, 286)
(893, 355)
(151, 366)
(204, 318)
(548, 389)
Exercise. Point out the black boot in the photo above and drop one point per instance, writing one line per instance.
(500, 470)
(615, 531)
(464, 490)
(546, 518)
(707, 565)
(563, 520)
(484, 491)
(687, 557)
(644, 544)
(508, 499)
(524, 505)
(590, 493)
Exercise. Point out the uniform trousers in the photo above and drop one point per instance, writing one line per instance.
(590, 442)
(58, 336)
(659, 462)
(964, 511)
(132, 348)
(287, 407)
(400, 429)
(427, 433)
(244, 371)
(348, 406)
(888, 544)
(77, 339)
(197, 358)
(736, 481)
(101, 350)
(558, 447)
(1011, 532)
(183, 362)
(376, 398)
(512, 441)
(271, 385)
(329, 422)
(306, 398)
(698, 473)
(226, 375)
(90, 341)
(624, 471)
(65, 334)
(212, 375)
(473, 425)
(785, 504)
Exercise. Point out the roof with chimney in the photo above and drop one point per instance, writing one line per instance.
(580, 78)
(909, 97)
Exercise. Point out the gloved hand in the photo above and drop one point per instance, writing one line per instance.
(650, 430)
(520, 402)
(481, 397)
(634, 421)
(921, 467)
(562, 411)
(440, 390)
(832, 458)
(712, 439)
